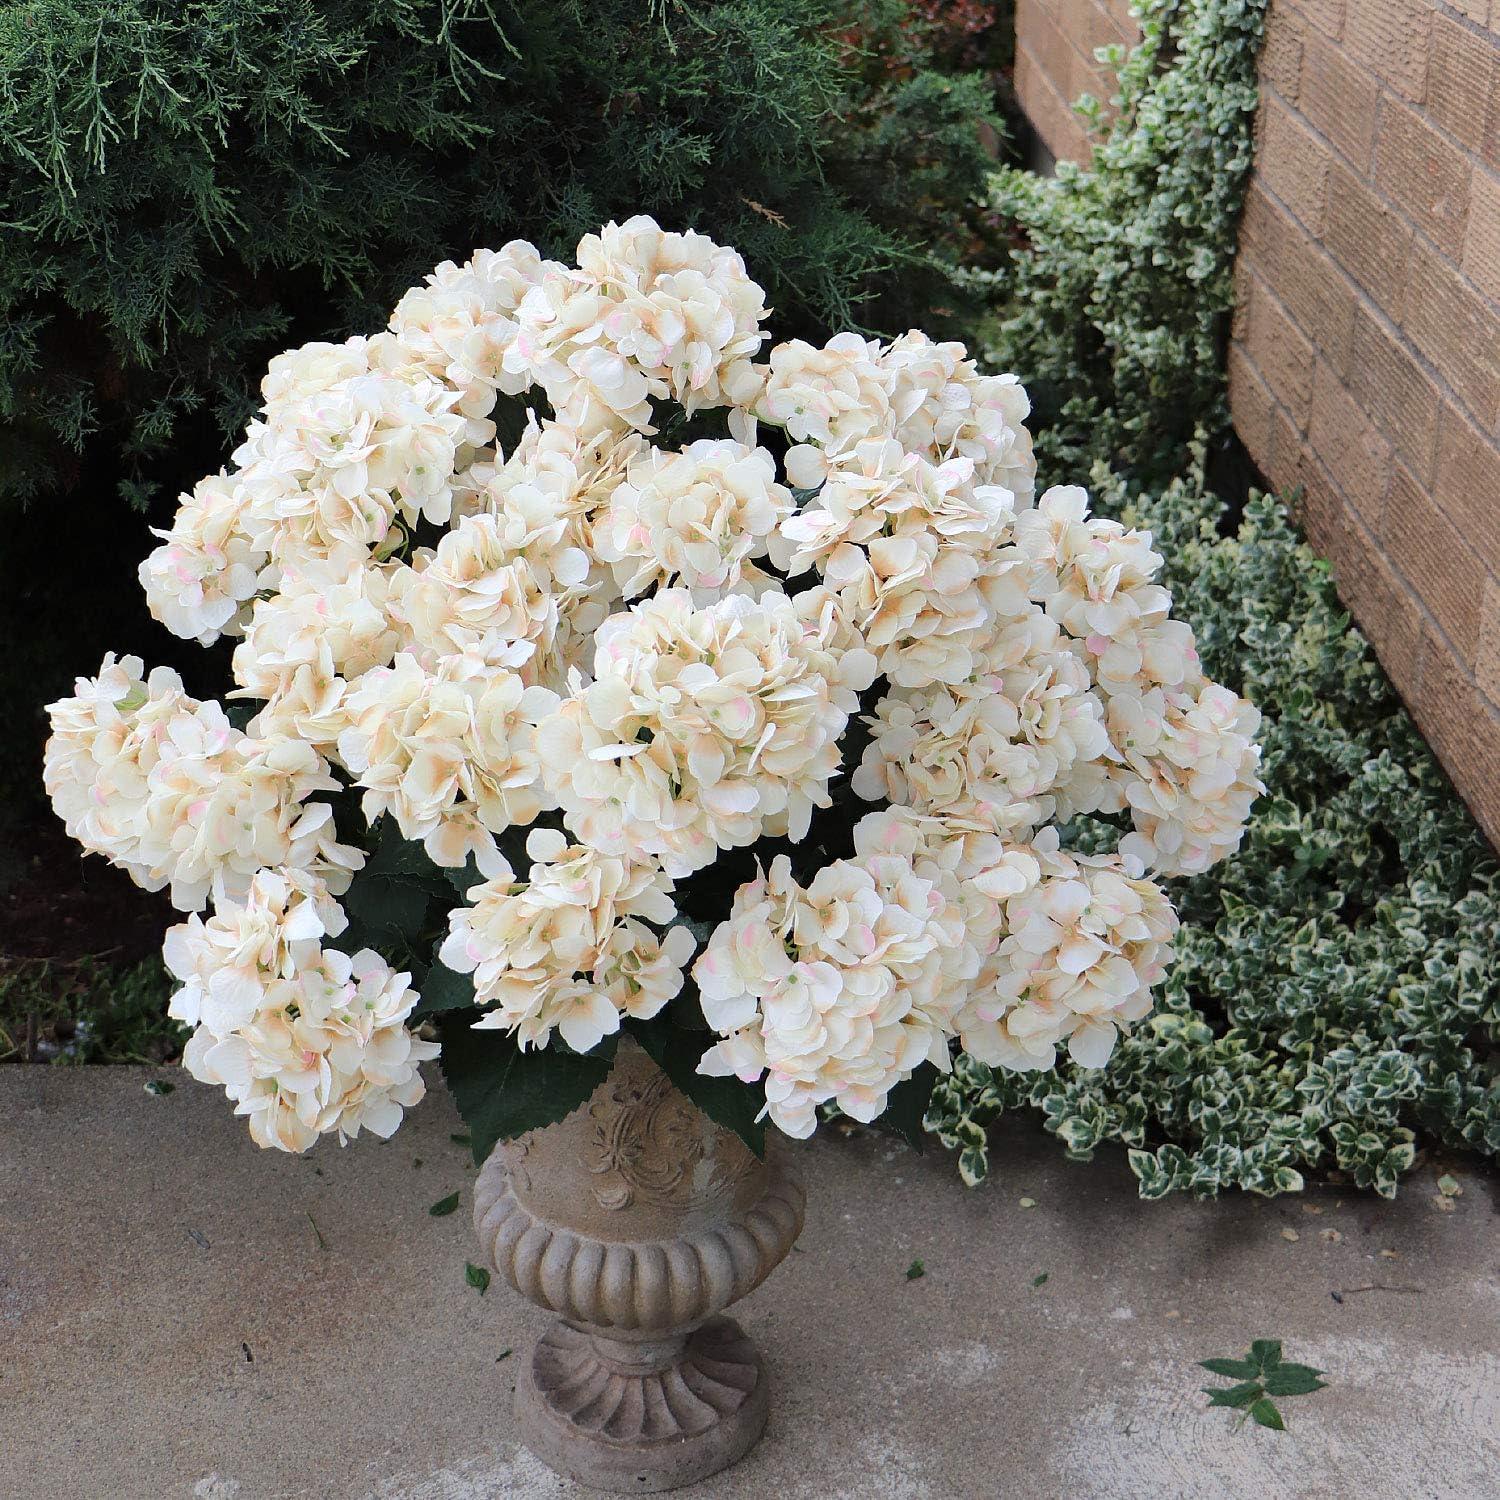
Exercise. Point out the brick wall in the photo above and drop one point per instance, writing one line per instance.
(1365, 360)
(1055, 64)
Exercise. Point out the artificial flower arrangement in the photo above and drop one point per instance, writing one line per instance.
(596, 676)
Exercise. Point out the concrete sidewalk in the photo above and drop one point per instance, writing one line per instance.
(183, 1315)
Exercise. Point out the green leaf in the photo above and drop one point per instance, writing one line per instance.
(1040, 1280)
(391, 894)
(477, 1277)
(1266, 1353)
(460, 1138)
(1235, 1395)
(1293, 1380)
(906, 1105)
(502, 1092)
(726, 1101)
(444, 1206)
(443, 989)
(1265, 1413)
(1236, 1369)
(915, 1271)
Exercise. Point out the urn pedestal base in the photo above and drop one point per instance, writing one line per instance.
(637, 1220)
(642, 1416)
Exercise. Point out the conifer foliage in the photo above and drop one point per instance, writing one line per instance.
(187, 185)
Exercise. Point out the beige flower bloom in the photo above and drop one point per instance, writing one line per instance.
(700, 726)
(448, 752)
(693, 518)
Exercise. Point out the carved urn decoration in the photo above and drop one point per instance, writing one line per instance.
(638, 1221)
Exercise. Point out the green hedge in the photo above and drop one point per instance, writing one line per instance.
(1338, 982)
(188, 185)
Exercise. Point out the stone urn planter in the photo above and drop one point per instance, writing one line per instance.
(638, 1221)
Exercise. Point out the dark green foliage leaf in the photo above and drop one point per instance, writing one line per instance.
(1265, 1413)
(444, 1206)
(502, 1092)
(1293, 1380)
(906, 1105)
(443, 989)
(726, 1101)
(390, 896)
(1258, 1377)
(460, 1138)
(1040, 1280)
(915, 1271)
(477, 1277)
(1235, 1395)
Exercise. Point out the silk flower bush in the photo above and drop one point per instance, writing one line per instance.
(595, 676)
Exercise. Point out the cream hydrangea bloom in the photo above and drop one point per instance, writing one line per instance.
(646, 314)
(1084, 944)
(166, 788)
(1011, 737)
(326, 1051)
(325, 627)
(1191, 773)
(839, 990)
(667, 647)
(563, 949)
(448, 752)
(199, 582)
(694, 518)
(700, 727)
(457, 326)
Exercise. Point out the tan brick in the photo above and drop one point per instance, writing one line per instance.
(1481, 258)
(1326, 15)
(1251, 407)
(1487, 666)
(1391, 37)
(1461, 79)
(1462, 730)
(1320, 299)
(1456, 331)
(1393, 389)
(1368, 239)
(1286, 452)
(1281, 354)
(1292, 163)
(1038, 32)
(1087, 25)
(1339, 99)
(1429, 551)
(1322, 511)
(1355, 454)
(1119, 12)
(1280, 62)
(1386, 610)
(1425, 176)
(1055, 122)
(1468, 483)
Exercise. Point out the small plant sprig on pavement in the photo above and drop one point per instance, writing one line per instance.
(1260, 1375)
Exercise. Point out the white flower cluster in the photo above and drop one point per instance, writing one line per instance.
(657, 646)
(840, 989)
(567, 948)
(305, 1040)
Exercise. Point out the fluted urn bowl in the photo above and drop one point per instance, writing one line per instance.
(637, 1220)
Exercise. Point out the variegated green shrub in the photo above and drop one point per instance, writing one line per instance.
(1336, 997)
